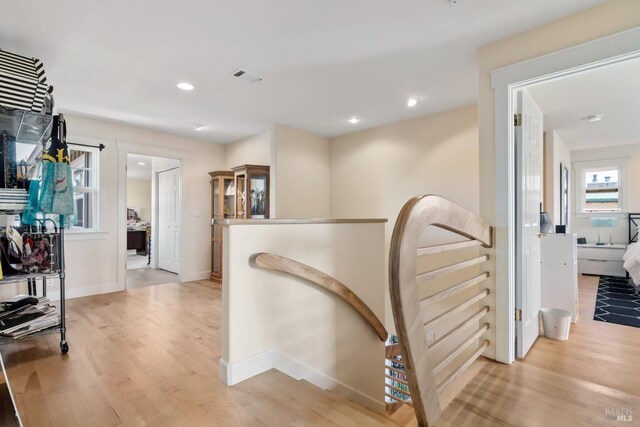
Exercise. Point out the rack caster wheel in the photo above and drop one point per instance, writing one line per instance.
(64, 347)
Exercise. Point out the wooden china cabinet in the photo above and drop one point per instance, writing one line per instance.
(252, 191)
(222, 206)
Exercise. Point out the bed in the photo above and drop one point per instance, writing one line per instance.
(631, 257)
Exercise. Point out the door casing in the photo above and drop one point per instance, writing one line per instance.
(505, 82)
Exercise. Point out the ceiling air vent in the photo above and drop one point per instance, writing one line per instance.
(247, 75)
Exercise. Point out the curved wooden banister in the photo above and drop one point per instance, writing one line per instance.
(317, 277)
(416, 357)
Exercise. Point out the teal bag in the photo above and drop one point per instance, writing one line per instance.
(29, 215)
(57, 189)
(56, 196)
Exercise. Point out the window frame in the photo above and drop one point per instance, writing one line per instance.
(94, 169)
(582, 168)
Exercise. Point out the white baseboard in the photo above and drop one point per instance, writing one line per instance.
(191, 277)
(236, 372)
(53, 291)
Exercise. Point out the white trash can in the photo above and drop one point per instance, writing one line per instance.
(556, 323)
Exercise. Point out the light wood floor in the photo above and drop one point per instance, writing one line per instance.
(570, 383)
(149, 356)
(141, 277)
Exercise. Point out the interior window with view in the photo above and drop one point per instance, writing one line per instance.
(602, 191)
(84, 187)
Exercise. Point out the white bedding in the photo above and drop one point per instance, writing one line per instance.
(631, 260)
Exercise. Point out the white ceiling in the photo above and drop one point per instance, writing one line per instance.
(136, 171)
(613, 90)
(322, 61)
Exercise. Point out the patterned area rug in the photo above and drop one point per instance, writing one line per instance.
(617, 302)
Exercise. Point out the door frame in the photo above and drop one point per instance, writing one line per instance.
(125, 148)
(505, 82)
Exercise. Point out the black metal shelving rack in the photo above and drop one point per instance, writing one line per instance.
(34, 128)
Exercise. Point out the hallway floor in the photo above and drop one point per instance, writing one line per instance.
(149, 356)
(146, 276)
(579, 382)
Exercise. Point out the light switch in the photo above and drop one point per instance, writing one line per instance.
(196, 213)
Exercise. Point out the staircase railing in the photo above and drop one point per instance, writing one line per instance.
(411, 361)
(323, 280)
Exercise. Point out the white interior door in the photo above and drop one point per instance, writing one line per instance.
(169, 220)
(528, 138)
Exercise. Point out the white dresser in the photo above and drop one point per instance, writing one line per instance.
(601, 260)
(559, 273)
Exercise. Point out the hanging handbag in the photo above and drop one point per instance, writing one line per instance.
(56, 195)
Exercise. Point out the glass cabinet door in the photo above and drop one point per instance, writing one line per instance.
(240, 196)
(215, 264)
(229, 209)
(258, 196)
(216, 198)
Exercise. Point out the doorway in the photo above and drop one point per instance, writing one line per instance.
(169, 220)
(591, 153)
(506, 82)
(153, 206)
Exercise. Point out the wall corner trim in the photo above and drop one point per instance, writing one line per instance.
(615, 47)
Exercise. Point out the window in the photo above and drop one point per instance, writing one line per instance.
(84, 167)
(601, 186)
(602, 191)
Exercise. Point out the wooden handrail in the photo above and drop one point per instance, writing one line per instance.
(455, 374)
(447, 247)
(454, 289)
(418, 214)
(458, 330)
(443, 271)
(317, 277)
(457, 309)
(458, 351)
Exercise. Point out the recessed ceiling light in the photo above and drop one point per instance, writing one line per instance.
(141, 163)
(412, 102)
(593, 117)
(184, 86)
(197, 126)
(354, 120)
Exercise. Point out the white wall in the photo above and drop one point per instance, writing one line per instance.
(303, 174)
(375, 172)
(139, 196)
(92, 259)
(254, 150)
(299, 169)
(272, 320)
(556, 153)
(582, 223)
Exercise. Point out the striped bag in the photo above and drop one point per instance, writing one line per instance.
(23, 83)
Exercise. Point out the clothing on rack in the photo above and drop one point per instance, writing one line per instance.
(23, 82)
(13, 199)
